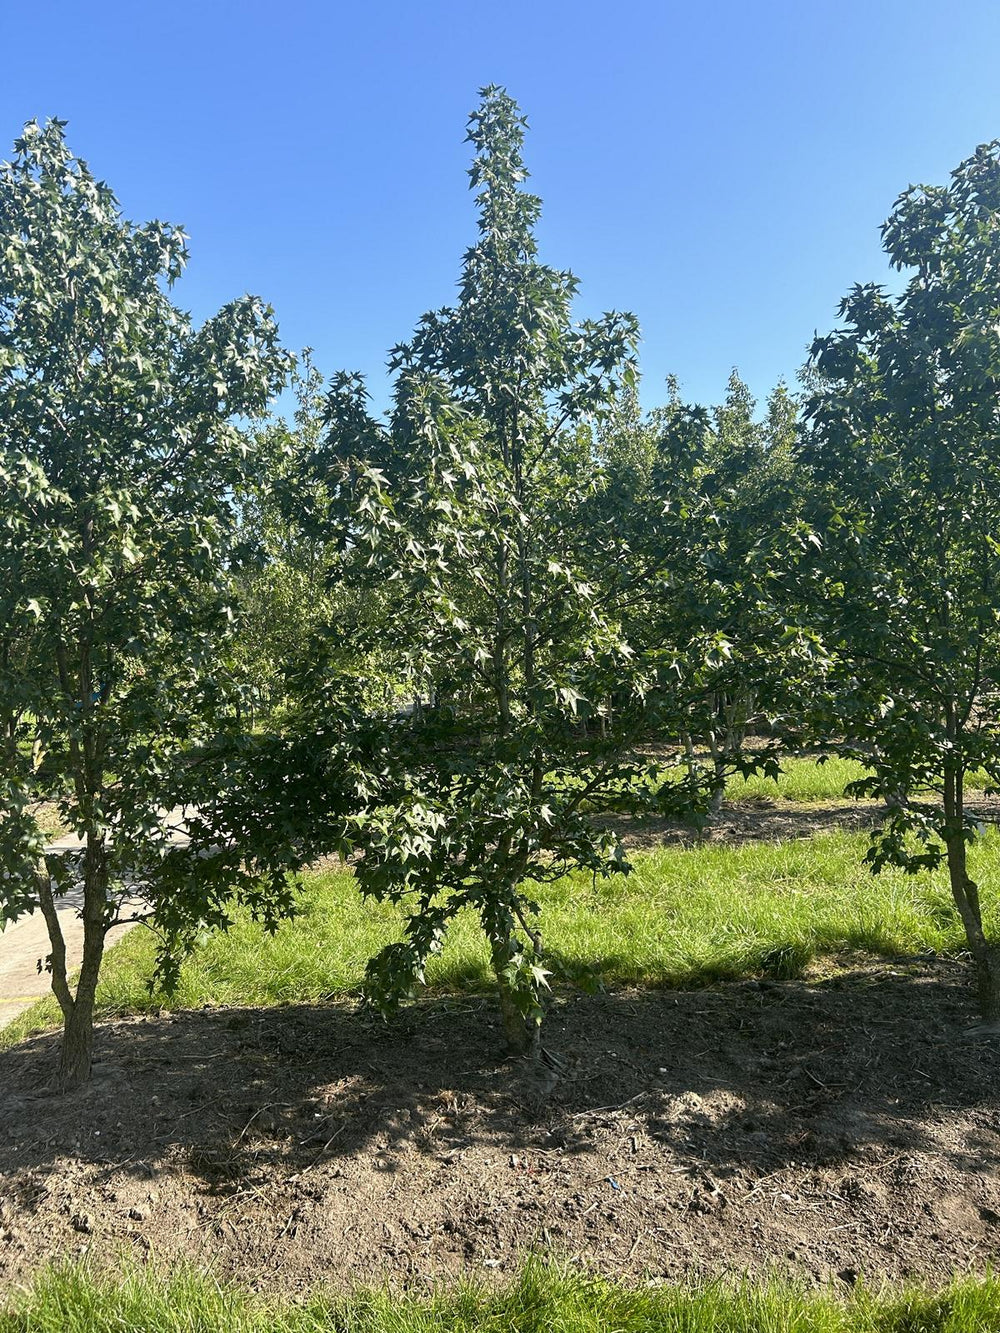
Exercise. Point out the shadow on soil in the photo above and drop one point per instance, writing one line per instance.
(744, 1078)
(762, 819)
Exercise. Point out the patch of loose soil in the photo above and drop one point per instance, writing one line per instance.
(763, 820)
(821, 1128)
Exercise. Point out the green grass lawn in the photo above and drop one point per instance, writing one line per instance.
(807, 780)
(685, 916)
(802, 779)
(541, 1300)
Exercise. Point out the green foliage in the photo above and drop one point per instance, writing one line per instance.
(904, 424)
(292, 604)
(710, 501)
(118, 464)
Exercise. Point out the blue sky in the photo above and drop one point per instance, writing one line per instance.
(721, 169)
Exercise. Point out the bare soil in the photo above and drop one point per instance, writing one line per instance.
(836, 1126)
(763, 820)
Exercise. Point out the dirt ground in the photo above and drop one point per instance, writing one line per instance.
(827, 1128)
(749, 821)
(771, 821)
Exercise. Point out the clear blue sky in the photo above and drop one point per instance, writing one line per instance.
(720, 168)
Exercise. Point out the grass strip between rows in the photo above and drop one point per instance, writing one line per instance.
(684, 917)
(542, 1299)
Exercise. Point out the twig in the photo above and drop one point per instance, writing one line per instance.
(196, 1110)
(598, 1110)
(326, 1145)
(259, 1111)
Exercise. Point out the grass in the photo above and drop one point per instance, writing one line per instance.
(540, 1300)
(808, 781)
(684, 917)
(803, 779)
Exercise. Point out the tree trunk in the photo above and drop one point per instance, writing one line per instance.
(522, 1037)
(985, 953)
(965, 892)
(988, 983)
(719, 764)
(77, 1051)
(690, 762)
(894, 798)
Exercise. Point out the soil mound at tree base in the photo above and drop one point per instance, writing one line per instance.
(826, 1128)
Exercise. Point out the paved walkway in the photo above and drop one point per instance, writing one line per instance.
(26, 943)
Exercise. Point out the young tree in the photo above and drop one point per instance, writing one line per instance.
(289, 592)
(737, 492)
(118, 467)
(475, 504)
(715, 503)
(905, 424)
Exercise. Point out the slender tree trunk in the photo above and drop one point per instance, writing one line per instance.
(501, 686)
(690, 762)
(732, 713)
(718, 755)
(965, 892)
(76, 1052)
(894, 798)
(522, 1038)
(57, 944)
(985, 953)
(76, 1056)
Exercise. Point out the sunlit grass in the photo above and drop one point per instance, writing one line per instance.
(808, 779)
(801, 779)
(685, 916)
(541, 1299)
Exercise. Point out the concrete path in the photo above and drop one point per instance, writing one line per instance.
(25, 945)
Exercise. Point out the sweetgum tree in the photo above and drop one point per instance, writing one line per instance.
(711, 501)
(906, 441)
(733, 477)
(119, 461)
(475, 507)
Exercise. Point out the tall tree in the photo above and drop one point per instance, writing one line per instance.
(905, 430)
(475, 503)
(119, 461)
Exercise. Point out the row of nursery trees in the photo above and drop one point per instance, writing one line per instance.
(452, 642)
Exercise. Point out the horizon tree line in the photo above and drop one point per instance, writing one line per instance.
(599, 611)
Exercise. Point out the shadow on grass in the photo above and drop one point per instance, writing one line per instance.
(776, 956)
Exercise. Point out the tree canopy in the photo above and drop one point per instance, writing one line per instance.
(119, 459)
(905, 423)
(462, 643)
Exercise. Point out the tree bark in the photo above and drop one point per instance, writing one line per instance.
(985, 953)
(76, 1051)
(965, 892)
(76, 1054)
(57, 944)
(988, 983)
